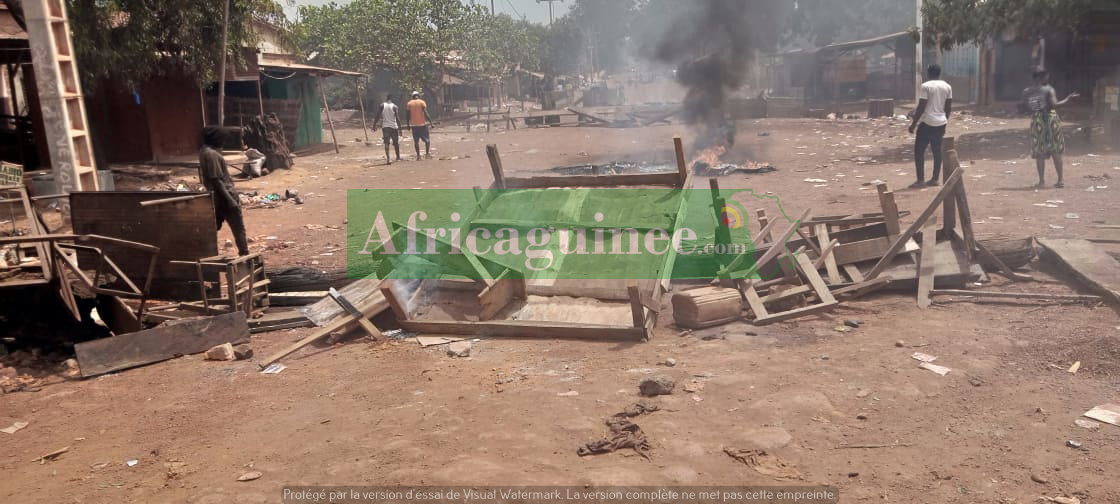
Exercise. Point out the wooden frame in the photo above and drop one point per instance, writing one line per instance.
(505, 287)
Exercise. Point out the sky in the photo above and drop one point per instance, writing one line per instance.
(531, 9)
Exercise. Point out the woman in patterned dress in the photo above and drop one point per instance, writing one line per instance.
(1047, 139)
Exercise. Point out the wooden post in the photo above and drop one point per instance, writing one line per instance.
(898, 242)
(763, 220)
(890, 210)
(723, 232)
(682, 167)
(362, 107)
(927, 264)
(496, 165)
(260, 98)
(202, 100)
(326, 107)
(637, 309)
(949, 164)
(829, 260)
(222, 65)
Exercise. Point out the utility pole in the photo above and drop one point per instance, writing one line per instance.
(549, 9)
(222, 65)
(918, 52)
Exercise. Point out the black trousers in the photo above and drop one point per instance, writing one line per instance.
(223, 212)
(928, 136)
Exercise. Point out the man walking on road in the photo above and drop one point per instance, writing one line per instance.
(935, 103)
(419, 121)
(390, 127)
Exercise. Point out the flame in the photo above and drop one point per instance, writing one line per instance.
(711, 155)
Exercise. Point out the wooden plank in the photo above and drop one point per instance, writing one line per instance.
(371, 330)
(121, 319)
(589, 117)
(526, 329)
(119, 215)
(853, 272)
(966, 220)
(890, 210)
(1017, 295)
(829, 260)
(758, 307)
(791, 292)
(763, 223)
(496, 166)
(950, 166)
(928, 263)
(896, 246)
(858, 289)
(826, 253)
(325, 309)
(815, 280)
(682, 167)
(279, 317)
(770, 253)
(1088, 263)
(183, 337)
(863, 250)
(295, 298)
(496, 297)
(370, 308)
(637, 310)
(796, 313)
(671, 179)
(399, 308)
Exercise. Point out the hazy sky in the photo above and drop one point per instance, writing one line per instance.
(531, 9)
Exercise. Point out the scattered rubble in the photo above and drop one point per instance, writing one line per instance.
(623, 433)
(656, 385)
(459, 349)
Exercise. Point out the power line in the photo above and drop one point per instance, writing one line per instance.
(514, 9)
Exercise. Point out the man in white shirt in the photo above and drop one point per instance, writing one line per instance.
(935, 102)
(390, 130)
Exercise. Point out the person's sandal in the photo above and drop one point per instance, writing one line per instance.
(932, 183)
(917, 185)
(1059, 185)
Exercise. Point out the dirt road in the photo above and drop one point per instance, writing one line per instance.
(390, 413)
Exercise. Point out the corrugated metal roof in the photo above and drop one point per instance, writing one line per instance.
(271, 62)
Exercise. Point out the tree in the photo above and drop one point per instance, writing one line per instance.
(562, 47)
(493, 46)
(132, 40)
(413, 38)
(953, 22)
(817, 23)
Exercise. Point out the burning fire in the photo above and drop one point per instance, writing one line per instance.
(711, 155)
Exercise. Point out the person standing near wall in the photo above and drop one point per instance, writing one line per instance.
(214, 175)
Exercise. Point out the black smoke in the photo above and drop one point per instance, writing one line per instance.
(713, 43)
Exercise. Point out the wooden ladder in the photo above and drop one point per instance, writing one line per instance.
(60, 97)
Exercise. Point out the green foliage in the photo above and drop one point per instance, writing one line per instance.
(562, 47)
(417, 39)
(817, 23)
(952, 22)
(134, 39)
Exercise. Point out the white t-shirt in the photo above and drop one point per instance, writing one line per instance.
(935, 92)
(389, 115)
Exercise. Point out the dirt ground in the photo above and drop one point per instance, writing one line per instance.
(994, 430)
